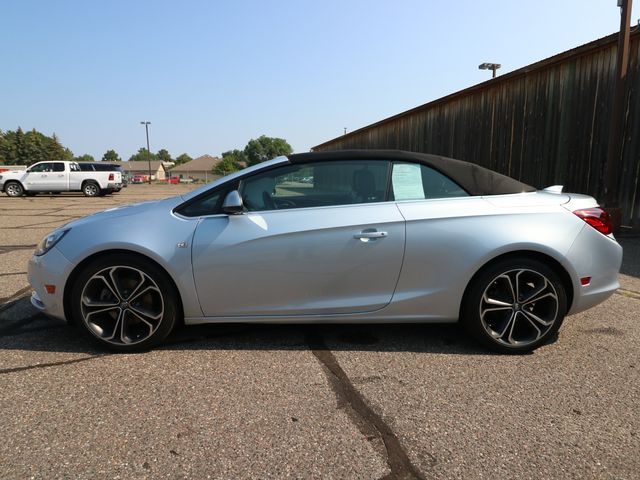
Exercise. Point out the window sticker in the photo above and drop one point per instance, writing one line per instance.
(407, 181)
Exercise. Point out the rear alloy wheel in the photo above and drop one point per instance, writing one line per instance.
(515, 306)
(13, 189)
(125, 303)
(91, 189)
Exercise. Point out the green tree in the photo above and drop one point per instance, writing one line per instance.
(265, 148)
(18, 147)
(21, 151)
(141, 155)
(184, 158)
(111, 156)
(232, 161)
(164, 156)
(84, 158)
(55, 150)
(34, 147)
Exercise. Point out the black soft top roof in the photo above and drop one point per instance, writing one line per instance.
(476, 180)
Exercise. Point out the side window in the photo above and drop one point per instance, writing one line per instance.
(316, 185)
(208, 205)
(413, 181)
(74, 167)
(42, 167)
(58, 167)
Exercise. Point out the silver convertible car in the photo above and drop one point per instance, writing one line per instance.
(351, 236)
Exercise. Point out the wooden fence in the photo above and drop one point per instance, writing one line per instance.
(544, 124)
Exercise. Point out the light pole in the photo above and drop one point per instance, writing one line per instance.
(490, 66)
(146, 127)
(617, 120)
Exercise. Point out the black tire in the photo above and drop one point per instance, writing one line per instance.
(131, 324)
(91, 189)
(13, 189)
(506, 324)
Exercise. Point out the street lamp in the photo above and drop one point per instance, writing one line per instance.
(490, 66)
(146, 127)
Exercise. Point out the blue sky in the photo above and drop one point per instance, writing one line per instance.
(210, 75)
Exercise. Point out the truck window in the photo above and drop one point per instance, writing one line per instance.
(42, 167)
(58, 167)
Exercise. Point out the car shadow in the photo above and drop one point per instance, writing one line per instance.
(630, 256)
(36, 332)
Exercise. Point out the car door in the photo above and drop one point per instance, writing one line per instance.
(444, 228)
(58, 177)
(39, 178)
(316, 239)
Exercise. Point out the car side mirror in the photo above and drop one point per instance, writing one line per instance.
(233, 203)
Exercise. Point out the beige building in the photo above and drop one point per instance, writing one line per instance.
(198, 169)
(158, 169)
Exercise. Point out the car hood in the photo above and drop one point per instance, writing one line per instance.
(142, 208)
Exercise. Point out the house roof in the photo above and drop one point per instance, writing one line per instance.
(205, 163)
(140, 166)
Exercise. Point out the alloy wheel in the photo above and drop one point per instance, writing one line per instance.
(122, 305)
(91, 190)
(518, 307)
(13, 190)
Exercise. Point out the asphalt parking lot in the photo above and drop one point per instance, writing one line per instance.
(402, 401)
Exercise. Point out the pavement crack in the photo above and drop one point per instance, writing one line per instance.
(13, 248)
(13, 273)
(52, 364)
(16, 296)
(368, 421)
(628, 293)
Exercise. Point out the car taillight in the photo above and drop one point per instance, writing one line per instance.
(111, 176)
(597, 218)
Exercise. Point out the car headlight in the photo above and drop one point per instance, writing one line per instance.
(49, 241)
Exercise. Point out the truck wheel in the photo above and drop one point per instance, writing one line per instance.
(91, 189)
(13, 189)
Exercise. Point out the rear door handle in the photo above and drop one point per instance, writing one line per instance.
(369, 235)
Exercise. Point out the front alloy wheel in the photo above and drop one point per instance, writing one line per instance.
(520, 304)
(126, 305)
(13, 189)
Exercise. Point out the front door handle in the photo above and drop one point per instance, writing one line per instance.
(367, 235)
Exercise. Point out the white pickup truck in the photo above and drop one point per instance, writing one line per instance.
(58, 176)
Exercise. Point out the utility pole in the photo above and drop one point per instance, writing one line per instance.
(146, 127)
(616, 140)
